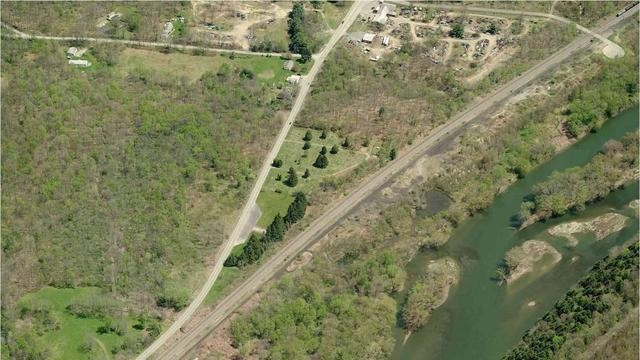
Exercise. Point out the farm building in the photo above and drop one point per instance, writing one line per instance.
(368, 37)
(383, 14)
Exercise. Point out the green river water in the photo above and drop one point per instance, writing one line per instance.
(481, 320)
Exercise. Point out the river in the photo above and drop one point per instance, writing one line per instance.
(481, 320)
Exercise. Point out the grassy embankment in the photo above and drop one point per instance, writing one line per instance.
(328, 304)
(123, 176)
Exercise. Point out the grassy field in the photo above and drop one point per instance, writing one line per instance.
(73, 331)
(266, 69)
(276, 196)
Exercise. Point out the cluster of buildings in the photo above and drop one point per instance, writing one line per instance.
(73, 53)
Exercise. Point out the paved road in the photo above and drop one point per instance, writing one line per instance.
(369, 186)
(245, 215)
(21, 35)
(612, 49)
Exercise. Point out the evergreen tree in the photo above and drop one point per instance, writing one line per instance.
(292, 179)
(305, 52)
(252, 250)
(323, 151)
(275, 230)
(392, 154)
(296, 210)
(334, 149)
(276, 163)
(321, 161)
(306, 145)
(323, 135)
(307, 136)
(306, 174)
(346, 143)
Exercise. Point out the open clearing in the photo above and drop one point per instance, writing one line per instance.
(276, 196)
(266, 69)
(72, 329)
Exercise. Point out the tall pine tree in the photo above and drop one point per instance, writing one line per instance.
(275, 230)
(321, 161)
(292, 179)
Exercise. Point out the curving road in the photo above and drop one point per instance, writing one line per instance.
(369, 186)
(250, 204)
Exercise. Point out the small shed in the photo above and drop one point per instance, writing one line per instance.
(368, 37)
(80, 63)
(385, 41)
(288, 65)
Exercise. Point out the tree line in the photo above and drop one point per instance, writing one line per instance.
(257, 245)
(572, 188)
(298, 39)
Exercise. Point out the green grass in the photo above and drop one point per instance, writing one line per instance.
(266, 69)
(226, 278)
(270, 204)
(65, 342)
(292, 155)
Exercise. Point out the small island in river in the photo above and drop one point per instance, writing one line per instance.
(429, 292)
(521, 259)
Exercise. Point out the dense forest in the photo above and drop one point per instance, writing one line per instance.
(120, 180)
(573, 188)
(610, 287)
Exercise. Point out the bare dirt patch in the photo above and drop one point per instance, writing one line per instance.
(601, 226)
(300, 261)
(522, 259)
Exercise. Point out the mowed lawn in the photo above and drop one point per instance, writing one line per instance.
(276, 196)
(73, 331)
(267, 70)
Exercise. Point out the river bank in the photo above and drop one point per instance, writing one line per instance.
(484, 320)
